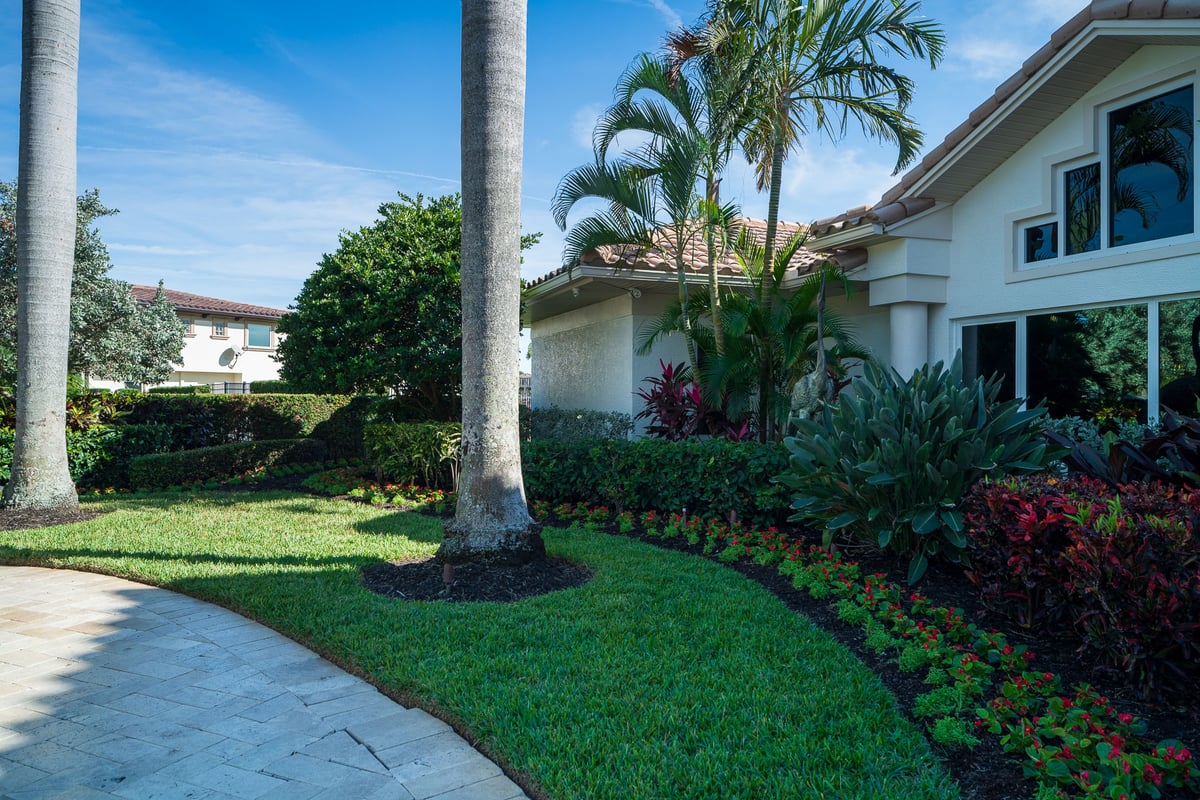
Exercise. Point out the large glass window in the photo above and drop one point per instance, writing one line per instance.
(989, 350)
(1151, 169)
(1081, 194)
(258, 335)
(1179, 355)
(1089, 363)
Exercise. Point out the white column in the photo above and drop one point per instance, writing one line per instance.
(910, 336)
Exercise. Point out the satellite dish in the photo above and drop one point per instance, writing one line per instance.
(229, 356)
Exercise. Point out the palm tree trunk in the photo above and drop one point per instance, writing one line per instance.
(777, 155)
(45, 229)
(712, 192)
(492, 522)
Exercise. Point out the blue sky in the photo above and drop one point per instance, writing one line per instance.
(238, 138)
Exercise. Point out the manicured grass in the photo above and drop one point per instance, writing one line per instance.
(665, 676)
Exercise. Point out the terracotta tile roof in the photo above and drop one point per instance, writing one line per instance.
(662, 259)
(186, 301)
(896, 204)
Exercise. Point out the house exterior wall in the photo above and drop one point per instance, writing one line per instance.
(586, 358)
(981, 258)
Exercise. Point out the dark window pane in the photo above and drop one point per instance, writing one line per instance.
(990, 350)
(1089, 363)
(1082, 193)
(1179, 355)
(1151, 169)
(1041, 242)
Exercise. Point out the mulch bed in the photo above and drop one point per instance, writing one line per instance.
(423, 580)
(17, 519)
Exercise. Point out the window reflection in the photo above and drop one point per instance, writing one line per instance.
(1151, 169)
(989, 350)
(1082, 195)
(1041, 242)
(1179, 355)
(1089, 363)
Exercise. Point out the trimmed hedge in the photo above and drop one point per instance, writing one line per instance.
(99, 456)
(190, 466)
(708, 477)
(342, 432)
(202, 388)
(206, 420)
(574, 423)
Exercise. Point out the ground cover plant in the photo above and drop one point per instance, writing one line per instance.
(663, 676)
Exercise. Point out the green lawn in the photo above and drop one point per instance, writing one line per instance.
(665, 676)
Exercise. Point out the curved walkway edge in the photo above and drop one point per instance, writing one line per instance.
(113, 689)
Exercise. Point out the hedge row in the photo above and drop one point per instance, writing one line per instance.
(708, 477)
(100, 456)
(207, 420)
(201, 464)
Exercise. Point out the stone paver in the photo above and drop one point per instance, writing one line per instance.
(110, 689)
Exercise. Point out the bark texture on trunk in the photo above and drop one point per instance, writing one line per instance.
(45, 229)
(492, 522)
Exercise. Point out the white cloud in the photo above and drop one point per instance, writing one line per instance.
(669, 15)
(992, 59)
(583, 122)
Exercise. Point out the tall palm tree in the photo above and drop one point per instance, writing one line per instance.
(492, 521)
(815, 68)
(653, 195)
(45, 230)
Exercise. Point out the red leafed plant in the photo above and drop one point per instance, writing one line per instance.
(677, 409)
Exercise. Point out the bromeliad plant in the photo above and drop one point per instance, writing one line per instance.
(891, 461)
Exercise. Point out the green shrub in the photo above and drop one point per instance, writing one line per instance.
(425, 453)
(206, 420)
(202, 388)
(710, 477)
(891, 461)
(580, 423)
(342, 432)
(201, 464)
(100, 455)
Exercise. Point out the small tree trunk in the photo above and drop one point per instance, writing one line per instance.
(492, 522)
(45, 230)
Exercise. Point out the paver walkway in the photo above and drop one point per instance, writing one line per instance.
(114, 689)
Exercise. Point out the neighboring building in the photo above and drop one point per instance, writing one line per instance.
(225, 342)
(525, 390)
(1051, 236)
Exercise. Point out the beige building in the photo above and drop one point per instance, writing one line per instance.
(225, 342)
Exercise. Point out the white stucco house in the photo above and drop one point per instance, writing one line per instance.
(1051, 237)
(226, 342)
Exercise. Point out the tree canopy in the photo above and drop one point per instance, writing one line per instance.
(383, 312)
(112, 337)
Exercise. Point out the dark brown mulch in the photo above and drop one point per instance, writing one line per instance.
(17, 519)
(422, 580)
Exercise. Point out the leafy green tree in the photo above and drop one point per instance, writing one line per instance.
(383, 313)
(112, 337)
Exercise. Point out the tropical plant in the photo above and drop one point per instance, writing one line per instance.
(677, 409)
(891, 461)
(491, 522)
(771, 337)
(651, 192)
(815, 68)
(45, 234)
